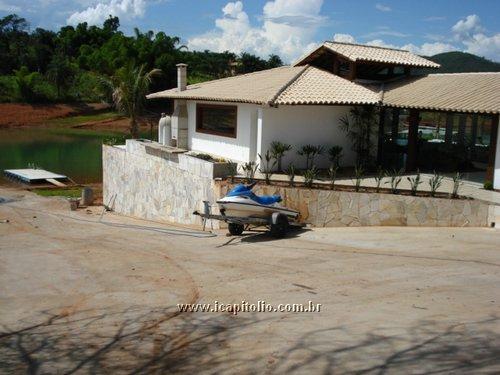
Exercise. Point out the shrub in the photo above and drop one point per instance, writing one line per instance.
(395, 179)
(8, 89)
(335, 155)
(488, 185)
(232, 171)
(378, 179)
(457, 182)
(414, 182)
(434, 183)
(33, 88)
(290, 171)
(249, 170)
(266, 166)
(203, 156)
(310, 152)
(332, 175)
(278, 150)
(309, 176)
(86, 88)
(358, 176)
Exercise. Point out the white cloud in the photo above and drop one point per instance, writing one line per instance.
(99, 12)
(386, 32)
(429, 49)
(344, 38)
(468, 26)
(288, 28)
(382, 7)
(381, 43)
(471, 34)
(7, 7)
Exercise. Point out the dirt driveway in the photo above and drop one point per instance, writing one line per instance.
(78, 295)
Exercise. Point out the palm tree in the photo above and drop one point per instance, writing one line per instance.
(278, 150)
(129, 87)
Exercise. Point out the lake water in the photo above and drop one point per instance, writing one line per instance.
(77, 156)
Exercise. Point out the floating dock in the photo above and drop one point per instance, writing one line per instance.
(31, 176)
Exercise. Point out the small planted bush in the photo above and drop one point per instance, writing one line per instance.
(249, 170)
(232, 171)
(414, 182)
(278, 150)
(332, 175)
(358, 176)
(335, 155)
(310, 176)
(290, 171)
(488, 185)
(457, 182)
(310, 152)
(266, 166)
(395, 180)
(434, 183)
(378, 179)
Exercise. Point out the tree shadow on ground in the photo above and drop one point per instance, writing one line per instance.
(130, 341)
(138, 340)
(427, 347)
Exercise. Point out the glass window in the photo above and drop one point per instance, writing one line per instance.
(216, 119)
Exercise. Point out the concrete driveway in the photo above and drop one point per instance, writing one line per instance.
(78, 295)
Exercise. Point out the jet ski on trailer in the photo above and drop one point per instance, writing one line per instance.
(241, 208)
(241, 201)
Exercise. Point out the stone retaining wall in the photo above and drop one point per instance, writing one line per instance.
(143, 181)
(326, 208)
(146, 183)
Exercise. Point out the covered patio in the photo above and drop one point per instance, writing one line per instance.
(428, 124)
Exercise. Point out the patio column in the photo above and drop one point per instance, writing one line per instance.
(493, 169)
(448, 135)
(395, 124)
(412, 155)
(380, 145)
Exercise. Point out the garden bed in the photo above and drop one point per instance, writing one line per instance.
(321, 206)
(349, 188)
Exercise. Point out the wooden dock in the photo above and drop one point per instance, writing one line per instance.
(31, 176)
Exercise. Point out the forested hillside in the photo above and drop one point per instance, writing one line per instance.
(461, 62)
(68, 65)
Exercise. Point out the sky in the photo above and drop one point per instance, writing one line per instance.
(289, 28)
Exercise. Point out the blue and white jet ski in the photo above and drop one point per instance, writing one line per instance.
(241, 201)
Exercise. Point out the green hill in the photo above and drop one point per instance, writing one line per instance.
(461, 62)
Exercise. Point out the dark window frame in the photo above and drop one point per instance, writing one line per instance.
(199, 119)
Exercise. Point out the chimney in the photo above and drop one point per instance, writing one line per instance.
(181, 76)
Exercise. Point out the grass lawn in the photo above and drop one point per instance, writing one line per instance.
(82, 119)
(68, 192)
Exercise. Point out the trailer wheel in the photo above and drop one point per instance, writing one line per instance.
(235, 229)
(279, 225)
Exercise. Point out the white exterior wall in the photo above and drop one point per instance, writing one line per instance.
(496, 176)
(304, 124)
(240, 149)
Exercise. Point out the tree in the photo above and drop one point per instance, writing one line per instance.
(129, 86)
(278, 150)
(274, 61)
(61, 73)
(360, 126)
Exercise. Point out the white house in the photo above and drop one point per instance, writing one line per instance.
(421, 117)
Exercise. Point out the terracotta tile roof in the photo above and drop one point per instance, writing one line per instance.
(284, 85)
(361, 52)
(317, 86)
(258, 87)
(459, 92)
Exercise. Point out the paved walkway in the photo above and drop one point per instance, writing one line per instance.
(468, 188)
